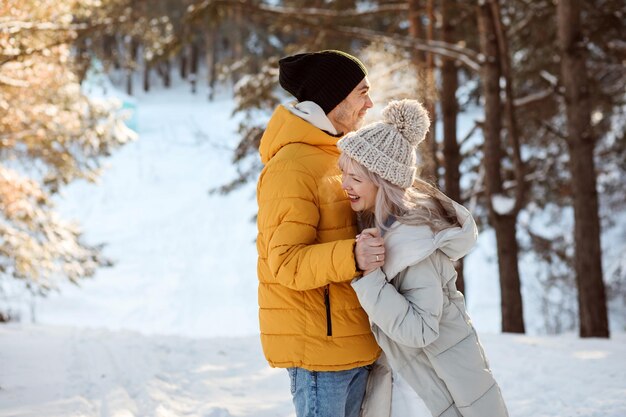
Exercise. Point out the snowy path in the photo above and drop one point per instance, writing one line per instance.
(54, 372)
(50, 371)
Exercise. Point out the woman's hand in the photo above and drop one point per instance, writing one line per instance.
(369, 250)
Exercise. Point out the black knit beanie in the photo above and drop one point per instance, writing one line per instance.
(325, 78)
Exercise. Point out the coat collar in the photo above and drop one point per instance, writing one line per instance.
(285, 127)
(408, 245)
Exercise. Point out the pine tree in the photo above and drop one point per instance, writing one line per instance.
(503, 220)
(51, 134)
(581, 142)
(533, 35)
(449, 112)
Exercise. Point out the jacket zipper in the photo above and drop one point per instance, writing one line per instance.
(329, 323)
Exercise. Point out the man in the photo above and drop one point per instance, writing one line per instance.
(311, 321)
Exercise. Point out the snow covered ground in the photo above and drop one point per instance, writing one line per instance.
(171, 329)
(62, 372)
(48, 371)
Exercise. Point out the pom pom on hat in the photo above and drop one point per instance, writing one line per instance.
(388, 148)
(409, 117)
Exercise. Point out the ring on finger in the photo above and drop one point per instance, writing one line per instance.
(377, 258)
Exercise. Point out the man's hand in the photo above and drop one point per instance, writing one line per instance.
(369, 250)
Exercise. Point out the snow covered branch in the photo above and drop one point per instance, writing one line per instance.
(306, 12)
(12, 82)
(13, 26)
(466, 56)
(533, 98)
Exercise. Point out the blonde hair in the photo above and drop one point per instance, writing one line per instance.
(420, 204)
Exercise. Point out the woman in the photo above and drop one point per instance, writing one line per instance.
(417, 315)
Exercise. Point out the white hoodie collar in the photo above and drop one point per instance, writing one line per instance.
(312, 113)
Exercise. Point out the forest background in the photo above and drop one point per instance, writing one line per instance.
(542, 83)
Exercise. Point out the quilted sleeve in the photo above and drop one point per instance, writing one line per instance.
(408, 315)
(288, 219)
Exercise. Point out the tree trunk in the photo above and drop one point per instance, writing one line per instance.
(132, 51)
(183, 63)
(211, 41)
(429, 146)
(115, 53)
(193, 75)
(511, 301)
(511, 119)
(129, 82)
(146, 76)
(108, 48)
(588, 259)
(166, 72)
(449, 111)
(425, 73)
(503, 223)
(416, 29)
(238, 46)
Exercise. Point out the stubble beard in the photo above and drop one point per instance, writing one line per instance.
(359, 122)
(351, 123)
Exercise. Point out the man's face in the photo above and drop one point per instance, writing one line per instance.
(348, 115)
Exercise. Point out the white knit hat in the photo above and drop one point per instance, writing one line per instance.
(388, 148)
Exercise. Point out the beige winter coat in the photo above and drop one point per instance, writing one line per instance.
(420, 322)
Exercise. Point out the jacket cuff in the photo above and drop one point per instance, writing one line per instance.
(344, 262)
(375, 278)
(359, 271)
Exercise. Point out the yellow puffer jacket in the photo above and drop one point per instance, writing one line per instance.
(310, 317)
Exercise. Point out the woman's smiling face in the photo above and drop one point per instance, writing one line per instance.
(360, 189)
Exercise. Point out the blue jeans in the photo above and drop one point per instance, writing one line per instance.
(328, 394)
